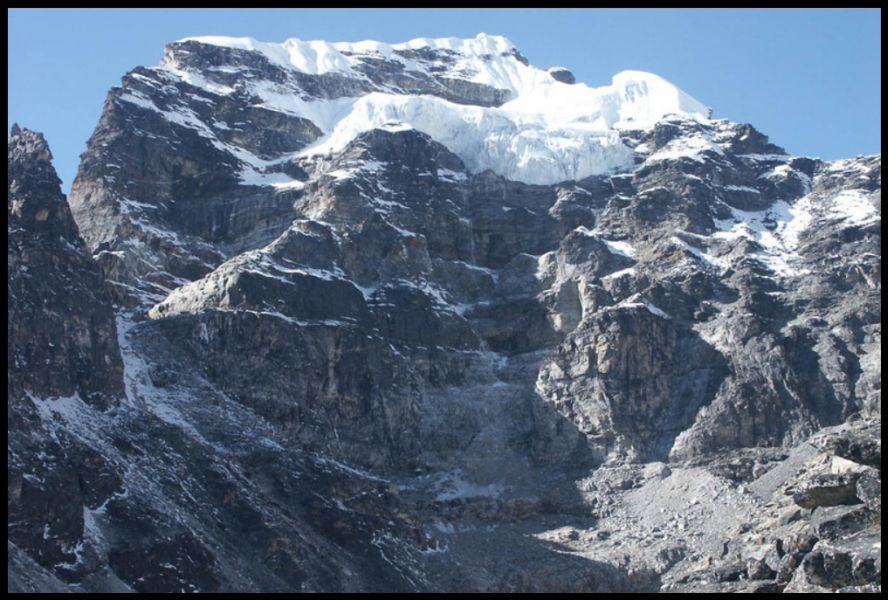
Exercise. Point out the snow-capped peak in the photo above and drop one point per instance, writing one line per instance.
(540, 129)
(645, 98)
(319, 56)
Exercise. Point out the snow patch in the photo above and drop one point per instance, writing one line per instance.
(742, 188)
(693, 147)
(619, 274)
(854, 208)
(279, 181)
(709, 259)
(775, 229)
(637, 300)
(140, 391)
(327, 461)
(619, 247)
(455, 487)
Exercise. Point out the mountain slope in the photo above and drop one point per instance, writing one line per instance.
(62, 352)
(497, 323)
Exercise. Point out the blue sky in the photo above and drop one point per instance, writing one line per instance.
(810, 79)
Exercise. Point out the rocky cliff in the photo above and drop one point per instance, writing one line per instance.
(62, 355)
(425, 317)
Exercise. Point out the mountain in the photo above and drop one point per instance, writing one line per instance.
(425, 317)
(62, 359)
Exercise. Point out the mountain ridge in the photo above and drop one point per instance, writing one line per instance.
(380, 367)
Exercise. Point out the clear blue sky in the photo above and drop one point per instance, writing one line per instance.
(810, 79)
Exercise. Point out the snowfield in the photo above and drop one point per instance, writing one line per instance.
(546, 132)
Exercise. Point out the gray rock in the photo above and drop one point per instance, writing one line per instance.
(853, 561)
(759, 570)
(395, 374)
(788, 565)
(563, 75)
(61, 334)
(827, 489)
(869, 490)
(862, 446)
(63, 360)
(730, 572)
(833, 522)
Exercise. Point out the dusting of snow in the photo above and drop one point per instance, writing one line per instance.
(454, 487)
(212, 289)
(330, 462)
(779, 229)
(637, 300)
(776, 229)
(619, 274)
(853, 208)
(619, 247)
(370, 166)
(252, 172)
(139, 100)
(449, 175)
(279, 181)
(655, 310)
(196, 79)
(69, 412)
(758, 157)
(742, 188)
(708, 259)
(783, 172)
(141, 391)
(450, 528)
(693, 147)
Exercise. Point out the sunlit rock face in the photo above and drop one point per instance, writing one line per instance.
(425, 317)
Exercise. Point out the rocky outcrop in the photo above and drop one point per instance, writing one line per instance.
(228, 66)
(612, 376)
(563, 75)
(375, 227)
(834, 542)
(377, 368)
(62, 351)
(61, 332)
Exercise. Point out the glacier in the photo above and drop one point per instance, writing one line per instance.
(546, 132)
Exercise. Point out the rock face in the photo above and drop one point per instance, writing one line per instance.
(563, 75)
(62, 352)
(357, 361)
(61, 331)
(823, 547)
